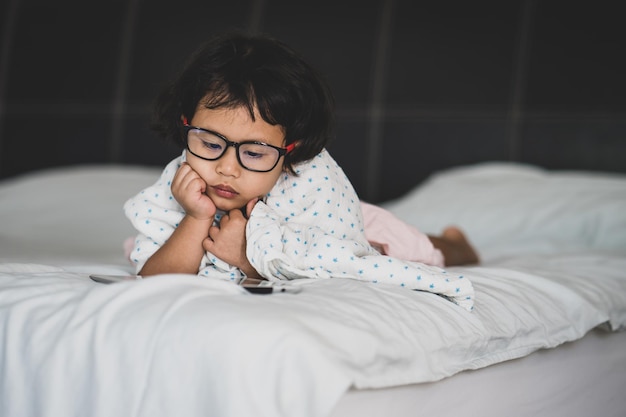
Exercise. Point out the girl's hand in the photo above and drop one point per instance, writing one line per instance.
(189, 190)
(228, 242)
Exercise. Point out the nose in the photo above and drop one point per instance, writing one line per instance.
(228, 165)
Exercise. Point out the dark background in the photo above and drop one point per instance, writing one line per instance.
(420, 85)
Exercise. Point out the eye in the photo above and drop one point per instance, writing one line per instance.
(256, 151)
(212, 146)
(252, 154)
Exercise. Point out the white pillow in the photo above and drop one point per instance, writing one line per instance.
(70, 213)
(510, 209)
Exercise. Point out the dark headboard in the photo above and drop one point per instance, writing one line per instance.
(420, 85)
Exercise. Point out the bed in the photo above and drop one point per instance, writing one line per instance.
(545, 337)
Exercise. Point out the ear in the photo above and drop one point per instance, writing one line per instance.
(183, 119)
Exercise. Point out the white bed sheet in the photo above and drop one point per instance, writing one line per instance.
(287, 354)
(579, 379)
(182, 345)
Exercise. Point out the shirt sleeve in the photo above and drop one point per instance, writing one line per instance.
(311, 226)
(155, 214)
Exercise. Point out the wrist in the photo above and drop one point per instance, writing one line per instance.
(249, 271)
(193, 226)
(199, 220)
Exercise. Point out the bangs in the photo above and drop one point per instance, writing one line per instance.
(230, 95)
(223, 95)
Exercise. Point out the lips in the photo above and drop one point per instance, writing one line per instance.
(224, 191)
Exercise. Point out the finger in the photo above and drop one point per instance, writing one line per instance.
(180, 173)
(208, 244)
(197, 183)
(237, 216)
(250, 206)
(224, 219)
(191, 180)
(213, 232)
(183, 176)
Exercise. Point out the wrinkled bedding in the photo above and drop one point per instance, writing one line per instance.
(186, 345)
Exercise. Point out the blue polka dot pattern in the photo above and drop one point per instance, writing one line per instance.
(311, 226)
(308, 226)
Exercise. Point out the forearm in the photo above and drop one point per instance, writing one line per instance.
(182, 252)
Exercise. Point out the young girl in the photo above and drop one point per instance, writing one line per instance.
(254, 192)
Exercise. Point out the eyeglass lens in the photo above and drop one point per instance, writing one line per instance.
(253, 156)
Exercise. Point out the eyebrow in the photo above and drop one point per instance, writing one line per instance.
(235, 141)
(266, 142)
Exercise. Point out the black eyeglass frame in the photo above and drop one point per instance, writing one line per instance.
(281, 151)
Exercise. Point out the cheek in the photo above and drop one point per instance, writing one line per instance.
(198, 165)
(202, 168)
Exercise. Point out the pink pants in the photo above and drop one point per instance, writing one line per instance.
(398, 239)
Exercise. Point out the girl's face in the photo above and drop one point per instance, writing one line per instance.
(229, 185)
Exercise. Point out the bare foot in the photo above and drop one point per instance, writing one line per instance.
(455, 247)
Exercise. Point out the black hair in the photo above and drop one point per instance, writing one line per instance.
(253, 71)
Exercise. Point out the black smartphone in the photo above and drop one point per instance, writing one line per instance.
(253, 285)
(262, 286)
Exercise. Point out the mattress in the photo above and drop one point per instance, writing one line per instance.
(550, 291)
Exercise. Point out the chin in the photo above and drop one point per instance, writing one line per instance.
(228, 205)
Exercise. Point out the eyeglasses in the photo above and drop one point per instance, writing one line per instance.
(252, 155)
